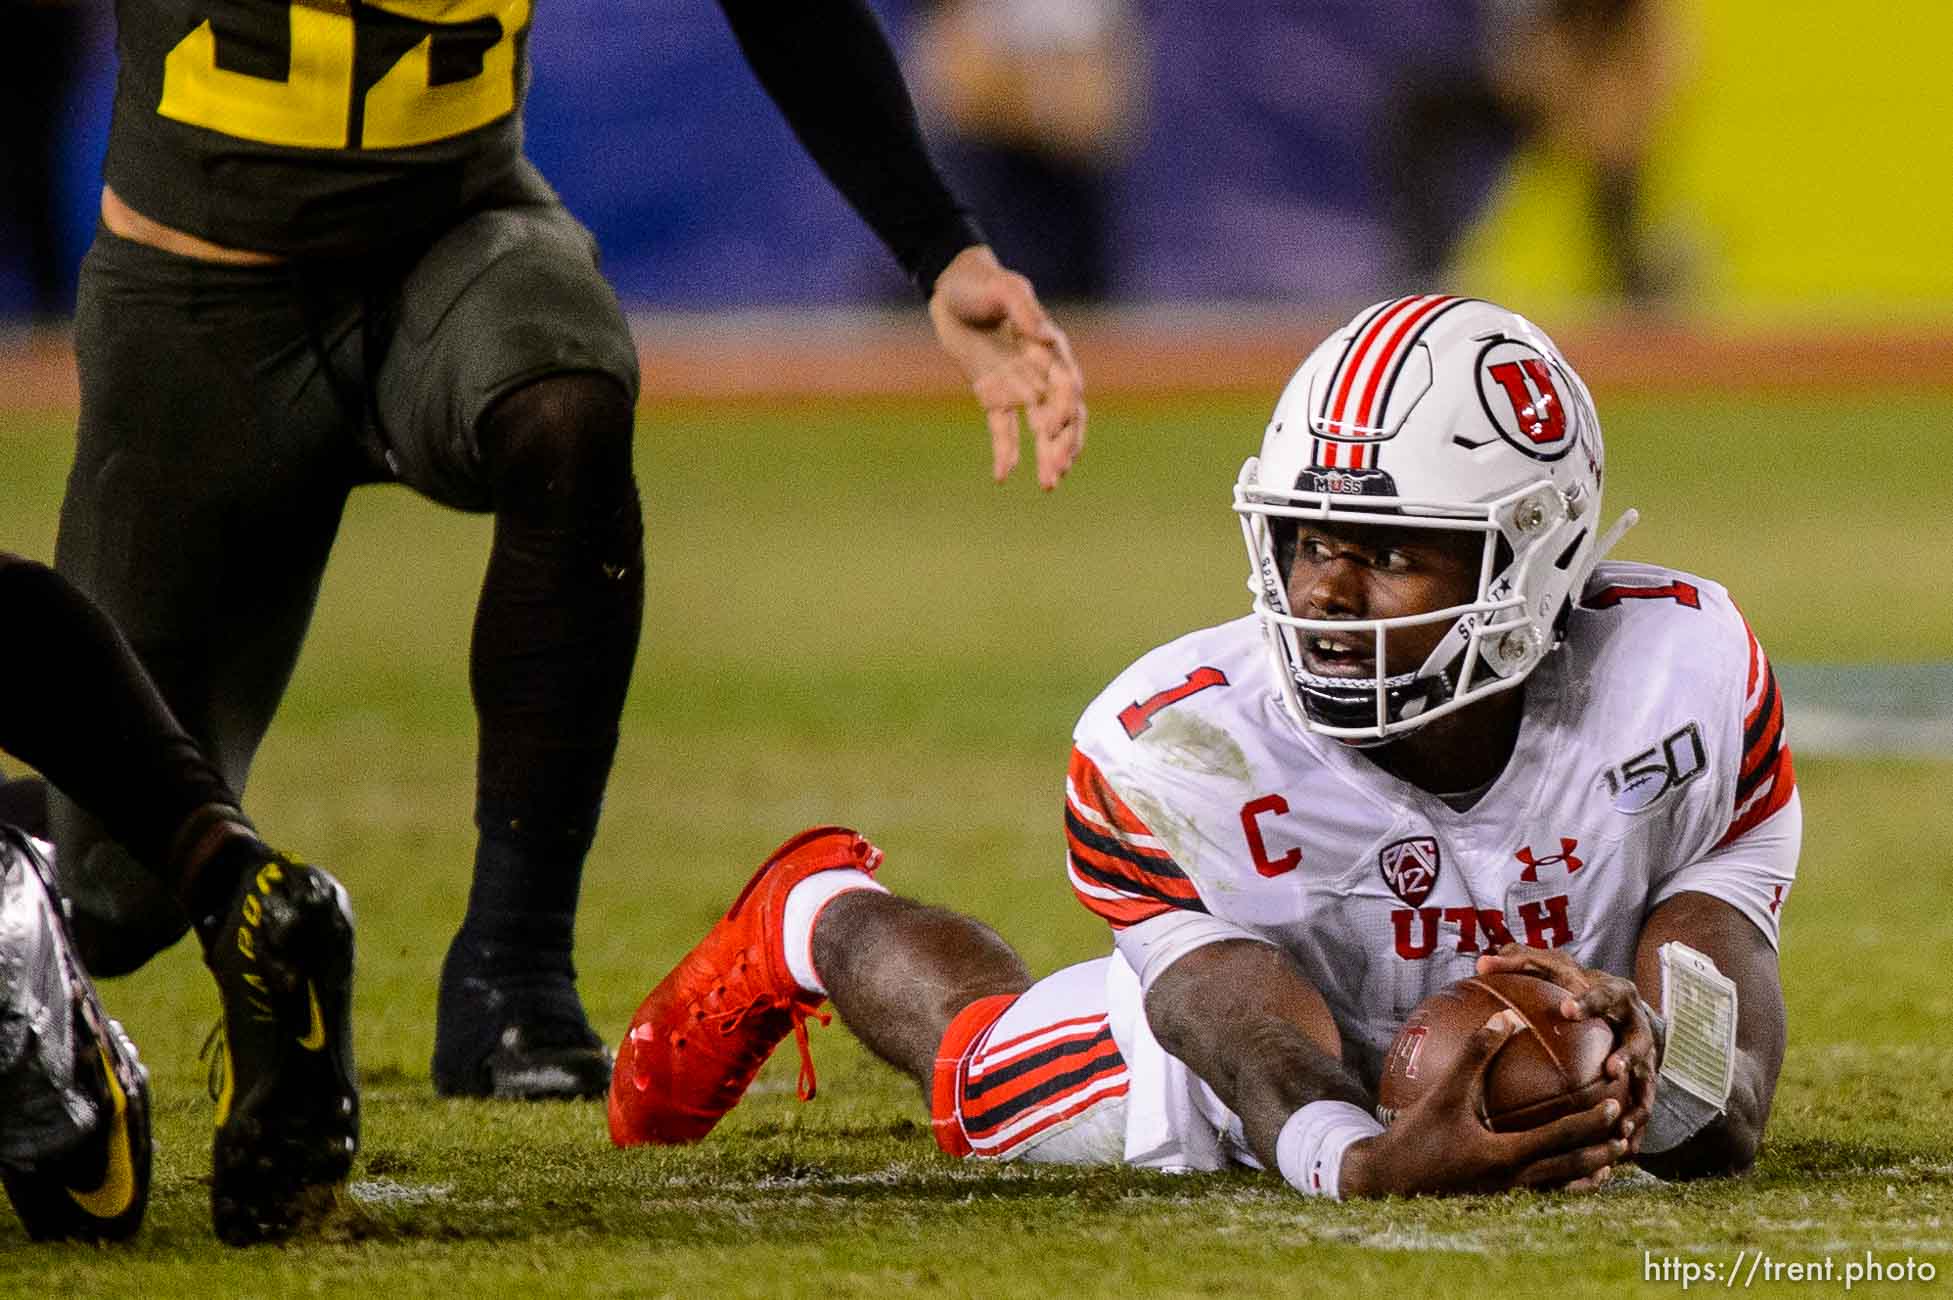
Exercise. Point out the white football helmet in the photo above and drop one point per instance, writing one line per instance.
(1438, 412)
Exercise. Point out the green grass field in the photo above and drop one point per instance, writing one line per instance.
(848, 622)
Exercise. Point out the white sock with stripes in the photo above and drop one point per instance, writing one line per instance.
(804, 903)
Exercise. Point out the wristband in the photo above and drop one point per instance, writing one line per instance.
(1309, 1150)
(1676, 1117)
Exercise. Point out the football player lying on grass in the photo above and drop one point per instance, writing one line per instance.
(1447, 740)
(74, 1098)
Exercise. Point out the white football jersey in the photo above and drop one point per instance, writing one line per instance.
(1652, 749)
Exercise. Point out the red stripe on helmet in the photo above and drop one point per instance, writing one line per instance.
(1390, 350)
(1354, 363)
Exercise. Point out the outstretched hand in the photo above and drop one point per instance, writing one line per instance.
(1596, 993)
(1017, 359)
(1440, 1143)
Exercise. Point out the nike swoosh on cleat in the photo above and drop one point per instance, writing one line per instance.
(118, 1187)
(314, 1039)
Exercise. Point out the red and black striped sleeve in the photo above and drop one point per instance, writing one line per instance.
(1118, 867)
(1765, 780)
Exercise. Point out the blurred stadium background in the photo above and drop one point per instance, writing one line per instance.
(1693, 196)
(1243, 150)
(848, 622)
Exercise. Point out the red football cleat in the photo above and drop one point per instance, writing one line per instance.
(699, 1038)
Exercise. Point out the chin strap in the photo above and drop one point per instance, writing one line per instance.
(1352, 701)
(1629, 518)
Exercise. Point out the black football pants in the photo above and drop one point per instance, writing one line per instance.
(226, 414)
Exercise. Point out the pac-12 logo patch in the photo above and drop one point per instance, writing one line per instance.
(1410, 868)
(1527, 398)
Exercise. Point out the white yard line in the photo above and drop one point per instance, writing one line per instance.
(1860, 710)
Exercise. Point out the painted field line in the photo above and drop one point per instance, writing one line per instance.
(1864, 710)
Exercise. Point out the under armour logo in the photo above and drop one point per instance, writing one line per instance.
(1533, 864)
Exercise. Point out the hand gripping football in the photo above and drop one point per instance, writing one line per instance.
(1551, 1067)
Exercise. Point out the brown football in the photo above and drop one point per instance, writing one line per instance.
(1550, 1068)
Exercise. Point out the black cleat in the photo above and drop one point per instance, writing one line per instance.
(287, 1102)
(515, 1035)
(95, 1188)
(538, 1053)
(560, 1062)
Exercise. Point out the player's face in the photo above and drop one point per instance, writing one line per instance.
(1363, 571)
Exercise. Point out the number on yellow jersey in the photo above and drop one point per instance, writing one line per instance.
(311, 107)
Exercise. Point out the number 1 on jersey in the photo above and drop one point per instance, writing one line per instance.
(1138, 715)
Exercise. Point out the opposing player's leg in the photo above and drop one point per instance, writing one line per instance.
(23, 803)
(211, 468)
(276, 936)
(556, 631)
(74, 1098)
(1010, 1069)
(509, 386)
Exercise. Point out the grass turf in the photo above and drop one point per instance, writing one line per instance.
(848, 622)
